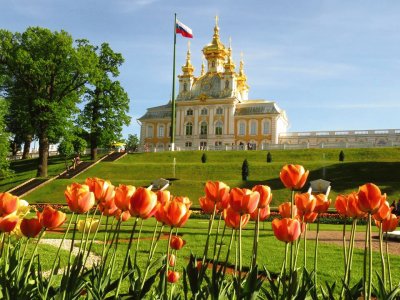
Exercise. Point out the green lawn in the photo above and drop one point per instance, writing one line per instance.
(380, 166)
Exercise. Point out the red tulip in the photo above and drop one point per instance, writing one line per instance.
(217, 191)
(285, 209)
(305, 202)
(173, 213)
(309, 217)
(173, 276)
(79, 198)
(108, 207)
(30, 227)
(264, 213)
(8, 223)
(389, 224)
(234, 220)
(243, 201)
(123, 195)
(353, 208)
(293, 176)
(322, 203)
(177, 242)
(51, 218)
(172, 260)
(341, 204)
(8, 204)
(369, 198)
(143, 203)
(122, 216)
(206, 205)
(286, 230)
(383, 212)
(265, 195)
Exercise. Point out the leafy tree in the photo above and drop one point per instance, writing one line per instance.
(79, 145)
(107, 104)
(341, 155)
(245, 170)
(4, 141)
(132, 143)
(204, 158)
(66, 150)
(269, 157)
(46, 72)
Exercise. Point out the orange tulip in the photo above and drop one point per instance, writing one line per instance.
(309, 217)
(122, 216)
(8, 204)
(243, 201)
(163, 196)
(234, 220)
(265, 195)
(184, 200)
(51, 218)
(341, 204)
(217, 191)
(79, 198)
(173, 213)
(264, 213)
(108, 208)
(143, 203)
(173, 276)
(284, 209)
(8, 223)
(353, 208)
(177, 242)
(103, 189)
(322, 203)
(123, 195)
(172, 260)
(370, 198)
(383, 212)
(305, 202)
(206, 205)
(286, 230)
(293, 176)
(30, 227)
(389, 224)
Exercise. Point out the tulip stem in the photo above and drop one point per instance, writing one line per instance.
(216, 235)
(255, 240)
(216, 259)
(305, 246)
(94, 236)
(137, 243)
(382, 255)
(150, 256)
(34, 253)
(282, 275)
(344, 243)
(2, 244)
(228, 253)
(240, 251)
(126, 258)
(236, 252)
(210, 224)
(316, 255)
(388, 263)
(105, 239)
(370, 257)
(23, 258)
(57, 255)
(165, 296)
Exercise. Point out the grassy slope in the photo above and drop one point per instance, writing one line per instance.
(381, 166)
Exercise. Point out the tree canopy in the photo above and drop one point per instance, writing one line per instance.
(4, 145)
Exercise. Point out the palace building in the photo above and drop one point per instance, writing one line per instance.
(213, 110)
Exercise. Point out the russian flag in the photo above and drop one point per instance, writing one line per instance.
(183, 30)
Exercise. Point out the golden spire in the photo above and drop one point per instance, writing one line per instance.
(188, 68)
(229, 65)
(241, 69)
(203, 67)
(216, 30)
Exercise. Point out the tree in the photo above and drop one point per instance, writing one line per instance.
(269, 157)
(4, 141)
(132, 143)
(245, 170)
(66, 150)
(107, 104)
(341, 155)
(46, 72)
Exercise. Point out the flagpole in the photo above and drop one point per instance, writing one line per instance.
(173, 113)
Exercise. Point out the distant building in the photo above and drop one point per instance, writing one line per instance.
(213, 110)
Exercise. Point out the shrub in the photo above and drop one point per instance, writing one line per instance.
(341, 156)
(204, 158)
(269, 157)
(245, 170)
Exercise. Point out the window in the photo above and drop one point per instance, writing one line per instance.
(242, 128)
(189, 112)
(227, 84)
(189, 129)
(185, 87)
(203, 111)
(203, 128)
(266, 127)
(253, 127)
(188, 144)
(161, 131)
(218, 128)
(219, 111)
(149, 133)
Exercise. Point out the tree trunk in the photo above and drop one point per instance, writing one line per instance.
(27, 146)
(93, 146)
(43, 155)
(14, 148)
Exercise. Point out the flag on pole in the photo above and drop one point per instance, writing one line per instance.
(183, 30)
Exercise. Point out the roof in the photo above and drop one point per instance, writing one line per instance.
(256, 107)
(157, 112)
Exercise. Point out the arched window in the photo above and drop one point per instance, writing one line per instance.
(213, 64)
(189, 112)
(204, 111)
(149, 132)
(242, 128)
(185, 87)
(266, 127)
(227, 84)
(218, 128)
(253, 127)
(219, 111)
(189, 129)
(203, 128)
(161, 131)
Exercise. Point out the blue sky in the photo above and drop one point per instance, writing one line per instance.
(332, 65)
